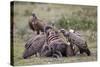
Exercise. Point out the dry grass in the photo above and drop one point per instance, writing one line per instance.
(47, 12)
(19, 48)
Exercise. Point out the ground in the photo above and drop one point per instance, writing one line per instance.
(19, 48)
(52, 13)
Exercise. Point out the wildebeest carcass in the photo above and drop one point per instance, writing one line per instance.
(34, 45)
(35, 24)
(77, 40)
(56, 47)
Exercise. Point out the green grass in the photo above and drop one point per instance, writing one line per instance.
(35, 60)
(49, 13)
(19, 48)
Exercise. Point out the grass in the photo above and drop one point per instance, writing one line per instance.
(35, 60)
(19, 49)
(50, 13)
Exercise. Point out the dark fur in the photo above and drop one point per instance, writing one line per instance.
(56, 47)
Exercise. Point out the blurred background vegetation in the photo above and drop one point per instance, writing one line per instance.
(78, 17)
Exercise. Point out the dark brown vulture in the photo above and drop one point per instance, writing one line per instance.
(34, 45)
(35, 24)
(78, 41)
